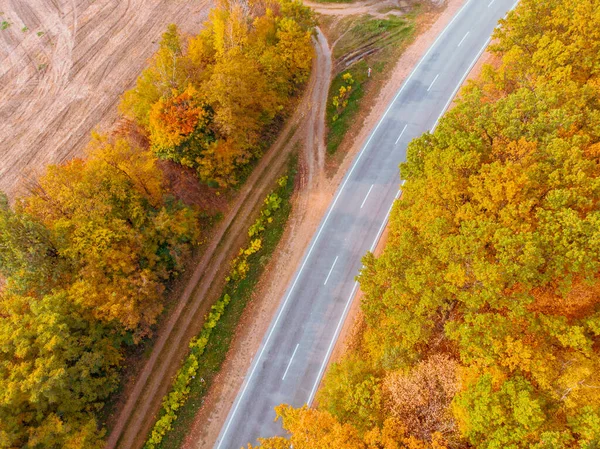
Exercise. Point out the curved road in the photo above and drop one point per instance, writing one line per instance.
(292, 358)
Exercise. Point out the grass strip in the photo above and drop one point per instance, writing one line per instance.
(235, 296)
(384, 35)
(338, 128)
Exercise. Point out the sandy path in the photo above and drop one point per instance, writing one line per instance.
(62, 76)
(137, 416)
(312, 133)
(310, 205)
(350, 9)
(375, 8)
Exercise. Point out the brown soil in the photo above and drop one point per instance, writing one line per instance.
(309, 206)
(375, 8)
(63, 65)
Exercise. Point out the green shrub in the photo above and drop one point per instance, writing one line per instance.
(239, 269)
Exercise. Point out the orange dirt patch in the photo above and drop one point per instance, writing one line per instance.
(578, 302)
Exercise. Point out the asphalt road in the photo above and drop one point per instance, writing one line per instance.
(290, 362)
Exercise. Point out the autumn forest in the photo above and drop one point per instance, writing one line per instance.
(86, 254)
(481, 319)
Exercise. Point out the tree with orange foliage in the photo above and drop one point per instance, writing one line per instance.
(209, 106)
(493, 256)
(179, 128)
(420, 398)
(310, 429)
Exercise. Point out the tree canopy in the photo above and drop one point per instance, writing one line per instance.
(492, 262)
(84, 257)
(208, 103)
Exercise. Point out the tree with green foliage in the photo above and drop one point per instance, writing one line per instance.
(352, 393)
(28, 257)
(57, 366)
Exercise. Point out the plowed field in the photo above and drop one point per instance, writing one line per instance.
(63, 66)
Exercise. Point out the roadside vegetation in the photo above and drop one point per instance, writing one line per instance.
(87, 253)
(209, 349)
(363, 42)
(210, 106)
(481, 319)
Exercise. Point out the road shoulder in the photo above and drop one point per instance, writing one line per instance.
(309, 206)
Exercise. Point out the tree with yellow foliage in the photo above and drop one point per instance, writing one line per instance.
(108, 220)
(208, 104)
(56, 368)
(167, 72)
(493, 257)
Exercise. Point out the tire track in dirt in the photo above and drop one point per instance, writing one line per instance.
(312, 131)
(371, 7)
(143, 403)
(94, 44)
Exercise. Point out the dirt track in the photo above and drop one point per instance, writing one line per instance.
(371, 7)
(63, 65)
(143, 402)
